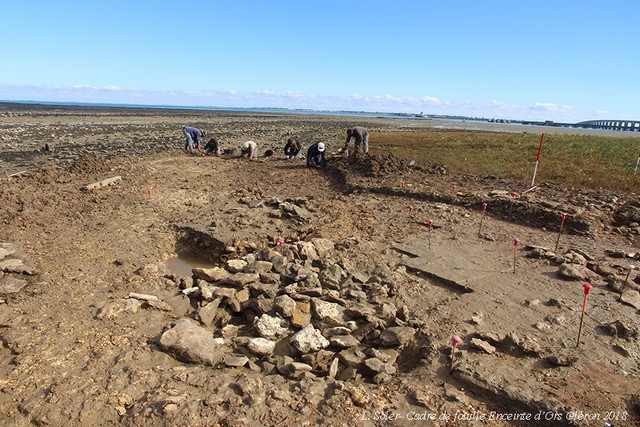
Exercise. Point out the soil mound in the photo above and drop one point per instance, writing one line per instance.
(88, 165)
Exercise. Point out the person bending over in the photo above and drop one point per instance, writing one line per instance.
(360, 135)
(212, 147)
(193, 139)
(293, 149)
(249, 150)
(316, 156)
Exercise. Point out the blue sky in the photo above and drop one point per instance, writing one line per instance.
(562, 60)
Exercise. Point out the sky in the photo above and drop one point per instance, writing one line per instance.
(560, 60)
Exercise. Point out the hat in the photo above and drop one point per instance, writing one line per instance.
(321, 146)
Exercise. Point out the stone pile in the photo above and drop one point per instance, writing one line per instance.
(296, 311)
(13, 271)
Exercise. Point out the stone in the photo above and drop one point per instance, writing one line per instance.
(477, 318)
(181, 305)
(323, 246)
(260, 305)
(17, 266)
(344, 341)
(309, 339)
(11, 285)
(258, 267)
(333, 368)
(3, 253)
(6, 249)
(229, 331)
(241, 279)
(242, 295)
(377, 366)
(283, 364)
(397, 336)
(298, 367)
(351, 358)
(113, 309)
(191, 343)
(621, 330)
(270, 327)
(483, 346)
(157, 305)
(285, 305)
(631, 297)
(307, 250)
(386, 355)
(302, 314)
(336, 330)
(143, 297)
(575, 272)
(566, 358)
(261, 346)
(332, 276)
(328, 312)
(207, 313)
(235, 361)
(619, 348)
(269, 290)
(235, 265)
(211, 275)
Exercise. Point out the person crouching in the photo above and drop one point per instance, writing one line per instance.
(316, 155)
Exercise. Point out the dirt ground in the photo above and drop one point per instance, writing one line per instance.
(74, 353)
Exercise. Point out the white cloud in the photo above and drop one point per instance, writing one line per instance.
(293, 99)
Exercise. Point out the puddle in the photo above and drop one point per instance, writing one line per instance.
(182, 265)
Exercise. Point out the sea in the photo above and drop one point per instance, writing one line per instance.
(385, 115)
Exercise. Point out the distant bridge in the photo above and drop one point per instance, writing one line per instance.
(628, 125)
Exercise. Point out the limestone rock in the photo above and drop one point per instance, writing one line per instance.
(328, 312)
(12, 285)
(242, 279)
(631, 297)
(235, 265)
(207, 313)
(112, 309)
(575, 272)
(309, 339)
(302, 314)
(285, 305)
(483, 346)
(17, 266)
(344, 341)
(261, 346)
(235, 361)
(397, 336)
(323, 246)
(211, 275)
(191, 343)
(181, 304)
(270, 327)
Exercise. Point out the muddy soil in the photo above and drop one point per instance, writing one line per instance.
(77, 351)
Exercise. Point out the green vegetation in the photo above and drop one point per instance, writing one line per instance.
(580, 161)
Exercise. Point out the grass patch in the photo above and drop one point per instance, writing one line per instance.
(581, 161)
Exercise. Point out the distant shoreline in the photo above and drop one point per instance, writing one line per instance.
(406, 121)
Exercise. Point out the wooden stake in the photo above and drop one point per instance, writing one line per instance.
(455, 340)
(587, 287)
(564, 216)
(484, 209)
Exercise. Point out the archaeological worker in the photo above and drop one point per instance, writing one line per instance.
(249, 149)
(293, 149)
(193, 138)
(316, 156)
(361, 136)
